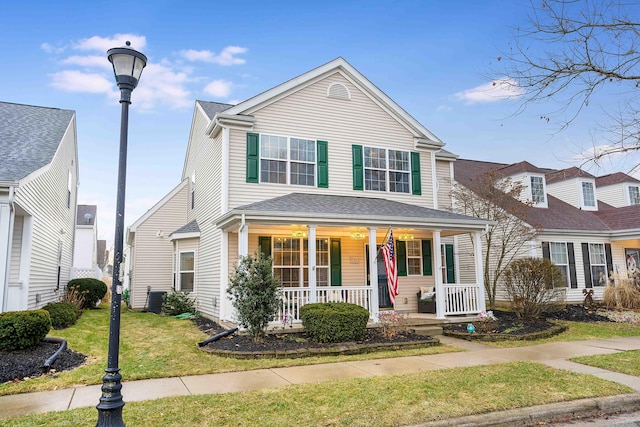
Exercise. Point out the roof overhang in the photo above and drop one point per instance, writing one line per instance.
(613, 235)
(229, 120)
(182, 236)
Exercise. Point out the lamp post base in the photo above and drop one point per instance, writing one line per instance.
(111, 403)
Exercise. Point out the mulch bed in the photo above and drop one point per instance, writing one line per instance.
(21, 365)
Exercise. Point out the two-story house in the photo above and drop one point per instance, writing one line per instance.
(38, 176)
(313, 172)
(588, 239)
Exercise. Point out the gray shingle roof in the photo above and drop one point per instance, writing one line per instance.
(212, 108)
(29, 137)
(192, 227)
(302, 203)
(86, 214)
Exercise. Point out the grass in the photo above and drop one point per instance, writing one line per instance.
(153, 346)
(579, 331)
(627, 362)
(380, 401)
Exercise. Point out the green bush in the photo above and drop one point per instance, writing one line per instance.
(92, 289)
(334, 321)
(21, 330)
(177, 303)
(255, 294)
(63, 314)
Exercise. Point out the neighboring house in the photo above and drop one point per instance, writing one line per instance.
(85, 252)
(38, 176)
(588, 239)
(328, 158)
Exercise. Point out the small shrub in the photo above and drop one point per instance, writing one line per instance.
(334, 321)
(624, 294)
(392, 323)
(255, 294)
(75, 297)
(93, 290)
(63, 314)
(21, 330)
(533, 285)
(177, 303)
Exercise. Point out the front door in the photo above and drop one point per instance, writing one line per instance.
(383, 290)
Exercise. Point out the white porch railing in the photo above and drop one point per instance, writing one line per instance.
(461, 299)
(83, 273)
(294, 298)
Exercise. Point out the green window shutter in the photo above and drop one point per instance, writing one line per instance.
(427, 267)
(358, 167)
(451, 268)
(416, 183)
(253, 156)
(401, 257)
(264, 243)
(323, 165)
(336, 263)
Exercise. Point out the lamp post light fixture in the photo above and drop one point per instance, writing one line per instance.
(127, 67)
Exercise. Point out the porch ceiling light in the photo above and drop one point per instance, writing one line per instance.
(405, 236)
(299, 233)
(357, 235)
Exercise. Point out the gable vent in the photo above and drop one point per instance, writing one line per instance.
(338, 91)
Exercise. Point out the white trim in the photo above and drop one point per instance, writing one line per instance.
(5, 250)
(373, 273)
(387, 170)
(224, 199)
(346, 89)
(223, 300)
(25, 258)
(437, 257)
(583, 205)
(288, 160)
(477, 253)
(545, 203)
(354, 76)
(133, 227)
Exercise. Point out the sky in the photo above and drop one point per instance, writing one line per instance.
(436, 59)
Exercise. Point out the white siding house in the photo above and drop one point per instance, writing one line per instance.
(85, 252)
(326, 158)
(38, 177)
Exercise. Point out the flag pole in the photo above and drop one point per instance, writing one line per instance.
(384, 242)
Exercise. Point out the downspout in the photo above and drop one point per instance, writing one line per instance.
(5, 288)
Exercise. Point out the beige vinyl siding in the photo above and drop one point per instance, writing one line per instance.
(43, 195)
(443, 176)
(614, 195)
(205, 158)
(568, 191)
(308, 113)
(152, 255)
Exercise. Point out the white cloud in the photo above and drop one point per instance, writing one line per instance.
(77, 81)
(51, 49)
(89, 61)
(491, 92)
(162, 85)
(218, 88)
(103, 44)
(226, 57)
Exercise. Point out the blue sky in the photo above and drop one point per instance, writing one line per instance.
(431, 57)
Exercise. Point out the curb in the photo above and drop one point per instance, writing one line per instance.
(544, 414)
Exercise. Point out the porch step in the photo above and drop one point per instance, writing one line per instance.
(429, 330)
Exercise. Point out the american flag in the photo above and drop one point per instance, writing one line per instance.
(389, 253)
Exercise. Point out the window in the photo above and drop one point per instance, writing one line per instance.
(187, 270)
(588, 195)
(291, 261)
(558, 253)
(598, 262)
(537, 189)
(634, 195)
(383, 166)
(414, 257)
(287, 160)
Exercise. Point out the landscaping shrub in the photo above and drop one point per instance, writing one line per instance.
(534, 286)
(624, 294)
(177, 303)
(92, 289)
(255, 294)
(63, 314)
(21, 330)
(75, 297)
(334, 321)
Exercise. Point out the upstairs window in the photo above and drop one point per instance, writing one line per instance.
(287, 160)
(386, 170)
(634, 195)
(588, 195)
(537, 190)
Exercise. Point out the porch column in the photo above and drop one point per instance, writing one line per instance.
(311, 251)
(440, 295)
(373, 274)
(477, 249)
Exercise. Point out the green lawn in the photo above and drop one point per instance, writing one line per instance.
(381, 401)
(627, 362)
(155, 346)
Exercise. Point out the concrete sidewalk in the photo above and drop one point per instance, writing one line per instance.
(551, 354)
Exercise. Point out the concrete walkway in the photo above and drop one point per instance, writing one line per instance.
(551, 354)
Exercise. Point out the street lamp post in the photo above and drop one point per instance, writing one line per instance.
(127, 67)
